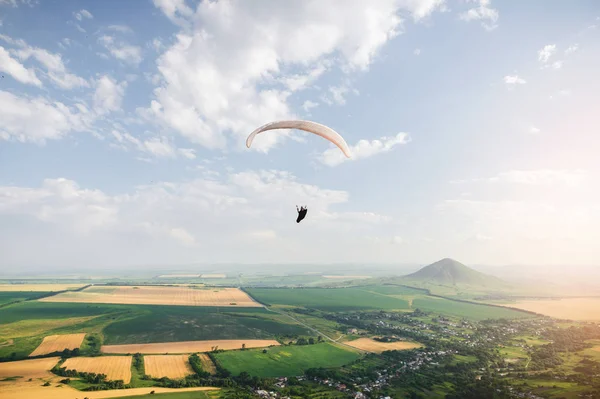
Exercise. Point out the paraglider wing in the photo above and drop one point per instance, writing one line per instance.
(308, 126)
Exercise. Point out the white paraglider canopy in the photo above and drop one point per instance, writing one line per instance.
(308, 126)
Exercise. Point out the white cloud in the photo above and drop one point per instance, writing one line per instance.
(534, 130)
(556, 65)
(121, 50)
(56, 70)
(176, 10)
(337, 94)
(417, 51)
(308, 105)
(15, 3)
(108, 95)
(188, 153)
(232, 209)
(15, 69)
(514, 80)
(82, 14)
(38, 119)
(483, 12)
(364, 149)
(158, 147)
(572, 49)
(221, 82)
(546, 52)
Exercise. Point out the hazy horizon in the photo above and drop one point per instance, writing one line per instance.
(473, 127)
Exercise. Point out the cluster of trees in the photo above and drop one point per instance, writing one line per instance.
(197, 366)
(309, 341)
(93, 345)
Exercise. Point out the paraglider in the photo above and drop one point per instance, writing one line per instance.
(301, 213)
(308, 126)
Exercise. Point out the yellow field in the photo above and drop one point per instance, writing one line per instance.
(214, 275)
(178, 275)
(32, 368)
(369, 345)
(152, 295)
(188, 346)
(57, 343)
(587, 309)
(39, 287)
(57, 391)
(207, 363)
(115, 367)
(346, 277)
(38, 371)
(27, 328)
(172, 366)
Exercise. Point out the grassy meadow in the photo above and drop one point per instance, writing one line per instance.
(384, 297)
(285, 360)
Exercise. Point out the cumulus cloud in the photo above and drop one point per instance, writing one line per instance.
(82, 14)
(534, 130)
(308, 105)
(222, 76)
(364, 149)
(56, 71)
(157, 146)
(38, 119)
(15, 69)
(121, 50)
(108, 95)
(483, 12)
(514, 80)
(546, 52)
(572, 49)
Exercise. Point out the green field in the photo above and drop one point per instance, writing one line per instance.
(186, 323)
(27, 323)
(386, 297)
(285, 361)
(328, 299)
(14, 296)
(467, 310)
(177, 395)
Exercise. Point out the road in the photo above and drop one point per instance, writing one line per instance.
(336, 341)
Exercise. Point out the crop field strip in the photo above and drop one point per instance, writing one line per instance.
(31, 368)
(158, 295)
(39, 287)
(115, 367)
(285, 361)
(386, 297)
(583, 309)
(370, 345)
(187, 346)
(207, 363)
(57, 343)
(171, 366)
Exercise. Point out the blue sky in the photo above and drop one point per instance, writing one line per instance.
(473, 124)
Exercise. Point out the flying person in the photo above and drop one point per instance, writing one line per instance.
(301, 213)
(308, 126)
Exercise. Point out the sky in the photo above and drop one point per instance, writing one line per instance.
(473, 124)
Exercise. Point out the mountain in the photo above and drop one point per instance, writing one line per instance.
(448, 272)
